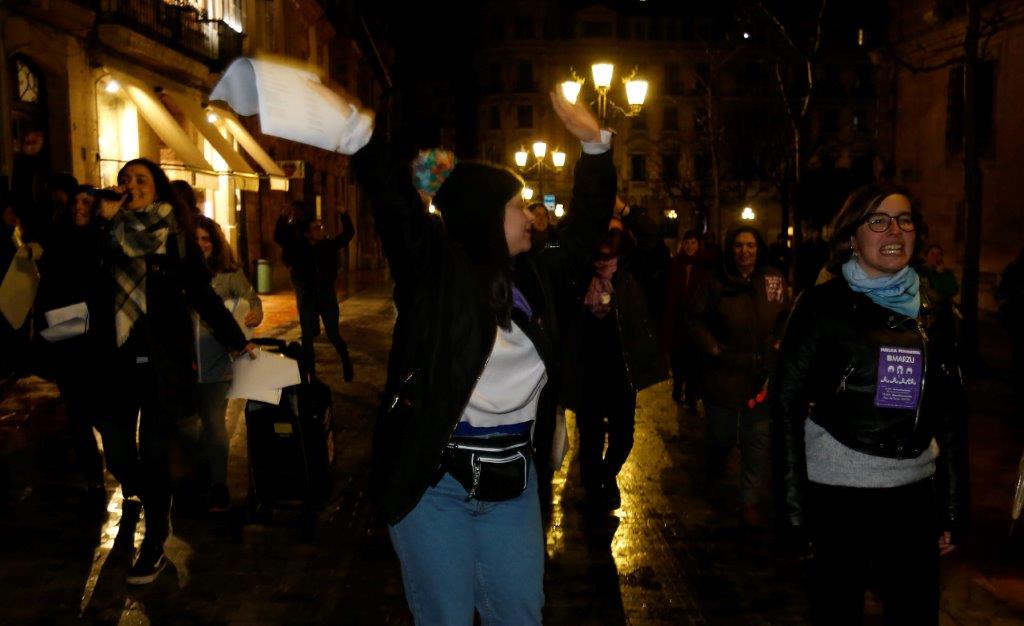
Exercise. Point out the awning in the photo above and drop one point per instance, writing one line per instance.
(244, 176)
(168, 129)
(278, 180)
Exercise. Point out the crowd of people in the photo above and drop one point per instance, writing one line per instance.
(833, 371)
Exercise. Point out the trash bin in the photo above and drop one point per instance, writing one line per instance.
(263, 276)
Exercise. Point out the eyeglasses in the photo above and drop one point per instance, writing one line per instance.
(879, 222)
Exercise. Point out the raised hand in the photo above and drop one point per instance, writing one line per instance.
(577, 118)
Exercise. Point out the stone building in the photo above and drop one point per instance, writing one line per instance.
(90, 84)
(925, 129)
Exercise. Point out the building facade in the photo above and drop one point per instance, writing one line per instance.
(712, 125)
(926, 125)
(91, 84)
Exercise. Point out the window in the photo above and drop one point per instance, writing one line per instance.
(670, 118)
(984, 107)
(864, 82)
(495, 118)
(638, 168)
(673, 86)
(596, 30)
(670, 168)
(494, 83)
(862, 120)
(524, 76)
(524, 116)
(523, 27)
(700, 119)
(702, 77)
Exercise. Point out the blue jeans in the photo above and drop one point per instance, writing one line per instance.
(458, 555)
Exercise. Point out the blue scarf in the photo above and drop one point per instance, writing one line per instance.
(900, 292)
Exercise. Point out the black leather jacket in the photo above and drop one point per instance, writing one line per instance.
(828, 371)
(444, 331)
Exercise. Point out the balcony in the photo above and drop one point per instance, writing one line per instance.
(182, 28)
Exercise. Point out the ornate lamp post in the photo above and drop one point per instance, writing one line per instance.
(601, 76)
(540, 151)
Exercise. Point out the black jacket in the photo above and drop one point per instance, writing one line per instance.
(445, 331)
(312, 264)
(176, 284)
(828, 370)
(635, 284)
(743, 319)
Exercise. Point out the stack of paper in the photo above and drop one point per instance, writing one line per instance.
(66, 322)
(264, 377)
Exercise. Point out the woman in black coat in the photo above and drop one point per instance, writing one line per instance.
(870, 425)
(156, 276)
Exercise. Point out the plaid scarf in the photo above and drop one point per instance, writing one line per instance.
(137, 234)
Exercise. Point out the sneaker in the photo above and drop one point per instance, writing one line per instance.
(220, 499)
(148, 564)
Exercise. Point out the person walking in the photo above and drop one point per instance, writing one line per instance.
(156, 276)
(736, 318)
(686, 271)
(871, 439)
(616, 356)
(213, 359)
(312, 255)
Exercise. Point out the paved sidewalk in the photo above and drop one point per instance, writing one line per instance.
(666, 557)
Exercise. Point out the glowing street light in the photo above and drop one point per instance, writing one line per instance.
(601, 75)
(559, 211)
(540, 151)
(527, 194)
(112, 86)
(748, 214)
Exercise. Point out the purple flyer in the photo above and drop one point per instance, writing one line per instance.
(899, 378)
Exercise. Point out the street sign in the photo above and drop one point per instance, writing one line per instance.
(549, 201)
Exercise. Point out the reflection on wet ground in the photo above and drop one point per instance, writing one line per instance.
(665, 557)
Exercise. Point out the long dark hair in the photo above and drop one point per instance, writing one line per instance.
(866, 200)
(165, 193)
(472, 202)
(222, 259)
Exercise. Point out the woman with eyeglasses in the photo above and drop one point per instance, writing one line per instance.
(871, 438)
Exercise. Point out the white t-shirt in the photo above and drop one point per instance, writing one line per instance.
(509, 387)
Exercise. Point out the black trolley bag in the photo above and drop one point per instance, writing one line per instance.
(290, 446)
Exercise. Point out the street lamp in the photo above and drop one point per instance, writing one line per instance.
(601, 75)
(540, 151)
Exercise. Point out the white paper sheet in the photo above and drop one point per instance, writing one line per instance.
(79, 310)
(65, 330)
(263, 378)
(288, 106)
(18, 289)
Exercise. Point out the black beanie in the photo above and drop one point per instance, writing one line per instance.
(472, 202)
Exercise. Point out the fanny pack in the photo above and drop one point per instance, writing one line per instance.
(491, 469)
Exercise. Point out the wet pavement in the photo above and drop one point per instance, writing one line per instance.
(665, 557)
